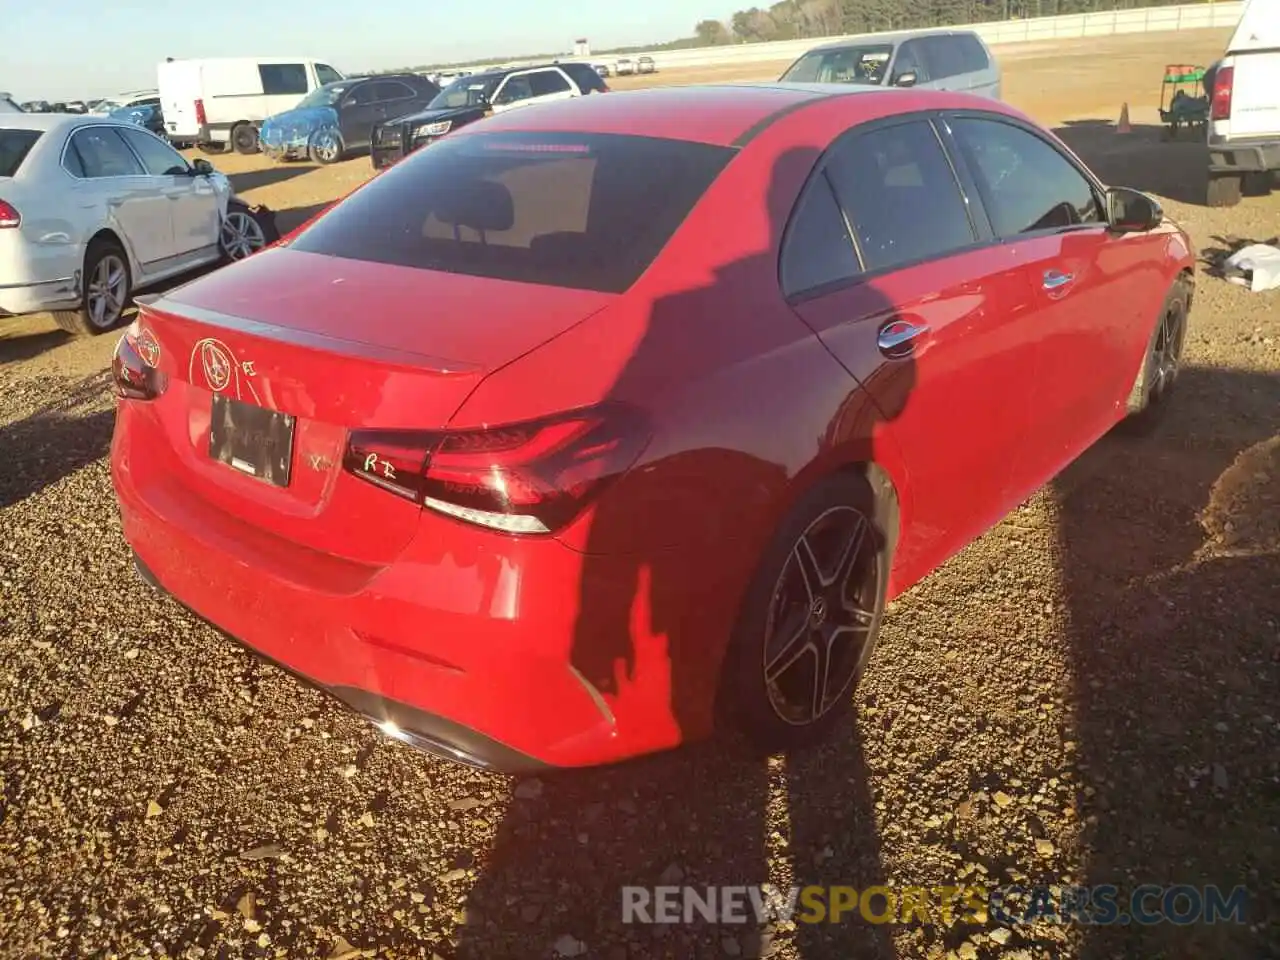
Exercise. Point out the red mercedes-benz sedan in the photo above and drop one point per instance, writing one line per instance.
(600, 421)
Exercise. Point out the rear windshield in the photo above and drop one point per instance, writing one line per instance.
(864, 65)
(588, 211)
(14, 147)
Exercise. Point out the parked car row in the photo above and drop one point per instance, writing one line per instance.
(94, 208)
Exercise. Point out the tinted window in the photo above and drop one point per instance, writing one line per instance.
(584, 76)
(158, 158)
(1028, 184)
(361, 95)
(326, 74)
(944, 56)
(901, 195)
(972, 53)
(283, 78)
(391, 90)
(817, 249)
(101, 153)
(548, 82)
(584, 211)
(14, 147)
(147, 102)
(911, 59)
(516, 88)
(862, 65)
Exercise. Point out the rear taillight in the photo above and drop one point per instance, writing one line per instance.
(133, 366)
(1221, 109)
(201, 119)
(9, 216)
(530, 477)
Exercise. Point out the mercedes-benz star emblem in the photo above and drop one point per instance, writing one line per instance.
(217, 366)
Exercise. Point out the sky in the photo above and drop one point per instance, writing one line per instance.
(81, 49)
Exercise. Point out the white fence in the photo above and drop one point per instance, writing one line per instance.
(1191, 16)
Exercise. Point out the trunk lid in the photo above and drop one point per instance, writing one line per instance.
(180, 87)
(337, 345)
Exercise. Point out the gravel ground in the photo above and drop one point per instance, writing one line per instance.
(1088, 694)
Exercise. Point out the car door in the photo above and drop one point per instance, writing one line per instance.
(933, 322)
(910, 59)
(193, 204)
(109, 175)
(392, 98)
(1092, 286)
(358, 111)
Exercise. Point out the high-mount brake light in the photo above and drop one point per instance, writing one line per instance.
(530, 478)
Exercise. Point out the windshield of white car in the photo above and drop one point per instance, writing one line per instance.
(864, 65)
(465, 92)
(325, 96)
(14, 147)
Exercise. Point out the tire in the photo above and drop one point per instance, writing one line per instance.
(1223, 190)
(245, 231)
(771, 712)
(325, 147)
(214, 149)
(1256, 184)
(1149, 397)
(106, 268)
(244, 138)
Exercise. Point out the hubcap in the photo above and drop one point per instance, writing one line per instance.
(241, 235)
(1167, 351)
(108, 289)
(821, 616)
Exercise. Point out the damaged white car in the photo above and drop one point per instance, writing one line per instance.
(93, 210)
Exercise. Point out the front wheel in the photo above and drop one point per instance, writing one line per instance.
(326, 147)
(244, 138)
(811, 618)
(245, 231)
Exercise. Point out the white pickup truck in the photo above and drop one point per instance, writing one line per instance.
(1244, 108)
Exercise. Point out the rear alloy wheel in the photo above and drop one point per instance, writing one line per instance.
(106, 291)
(244, 138)
(810, 623)
(326, 147)
(244, 232)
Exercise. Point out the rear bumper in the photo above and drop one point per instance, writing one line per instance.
(17, 299)
(466, 640)
(1243, 156)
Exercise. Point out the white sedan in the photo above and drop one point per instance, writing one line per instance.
(94, 209)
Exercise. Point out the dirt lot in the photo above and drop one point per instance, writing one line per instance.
(1088, 694)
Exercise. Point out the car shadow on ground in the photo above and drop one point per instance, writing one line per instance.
(15, 347)
(714, 814)
(1143, 158)
(56, 440)
(293, 217)
(1170, 546)
(248, 180)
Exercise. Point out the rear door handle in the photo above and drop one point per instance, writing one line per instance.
(897, 337)
(1056, 279)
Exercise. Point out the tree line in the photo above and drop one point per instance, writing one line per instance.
(802, 19)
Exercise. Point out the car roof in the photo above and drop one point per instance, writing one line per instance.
(879, 39)
(48, 122)
(718, 114)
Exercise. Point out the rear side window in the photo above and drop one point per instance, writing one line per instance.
(1027, 184)
(100, 152)
(817, 249)
(584, 76)
(14, 147)
(972, 52)
(588, 211)
(279, 79)
(546, 82)
(901, 195)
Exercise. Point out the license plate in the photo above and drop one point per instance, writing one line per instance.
(256, 441)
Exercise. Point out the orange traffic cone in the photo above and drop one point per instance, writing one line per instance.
(1123, 125)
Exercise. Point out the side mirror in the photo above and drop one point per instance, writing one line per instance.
(201, 167)
(1132, 211)
(905, 79)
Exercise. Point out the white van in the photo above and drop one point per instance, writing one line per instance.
(1244, 107)
(218, 103)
